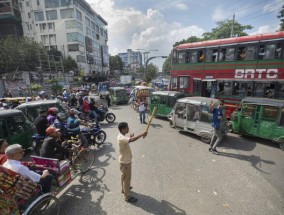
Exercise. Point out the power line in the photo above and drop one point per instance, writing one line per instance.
(262, 14)
(259, 11)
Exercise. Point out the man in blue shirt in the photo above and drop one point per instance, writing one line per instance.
(217, 117)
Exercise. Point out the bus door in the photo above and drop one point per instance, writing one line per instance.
(268, 120)
(180, 115)
(249, 118)
(196, 87)
(208, 88)
(183, 84)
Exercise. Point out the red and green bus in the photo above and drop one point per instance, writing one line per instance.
(230, 69)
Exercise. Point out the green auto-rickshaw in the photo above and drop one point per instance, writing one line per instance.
(16, 128)
(31, 109)
(118, 95)
(164, 101)
(260, 117)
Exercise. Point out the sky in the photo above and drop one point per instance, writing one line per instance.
(158, 24)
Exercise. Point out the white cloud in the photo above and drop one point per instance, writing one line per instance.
(219, 14)
(181, 6)
(132, 29)
(265, 29)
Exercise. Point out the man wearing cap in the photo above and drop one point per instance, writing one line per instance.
(41, 122)
(50, 147)
(14, 154)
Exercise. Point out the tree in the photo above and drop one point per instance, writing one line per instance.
(19, 54)
(281, 17)
(167, 65)
(56, 88)
(69, 64)
(191, 39)
(151, 72)
(115, 63)
(223, 30)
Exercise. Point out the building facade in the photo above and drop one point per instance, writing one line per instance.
(131, 58)
(69, 26)
(10, 19)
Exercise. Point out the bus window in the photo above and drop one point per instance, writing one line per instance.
(174, 56)
(221, 54)
(224, 88)
(212, 55)
(242, 89)
(183, 82)
(242, 53)
(181, 57)
(269, 113)
(230, 54)
(250, 53)
(173, 83)
(248, 110)
(187, 57)
(280, 90)
(269, 90)
(278, 50)
(259, 90)
(200, 56)
(193, 57)
(269, 51)
(281, 123)
(208, 89)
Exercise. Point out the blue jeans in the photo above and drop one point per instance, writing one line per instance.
(142, 116)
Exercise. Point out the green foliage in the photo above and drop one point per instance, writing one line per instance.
(35, 87)
(69, 64)
(151, 72)
(167, 65)
(22, 53)
(115, 63)
(281, 17)
(223, 30)
(53, 53)
(56, 88)
(191, 39)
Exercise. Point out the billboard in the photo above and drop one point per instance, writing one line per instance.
(89, 44)
(105, 55)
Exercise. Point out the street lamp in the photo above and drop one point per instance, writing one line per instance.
(145, 53)
(148, 62)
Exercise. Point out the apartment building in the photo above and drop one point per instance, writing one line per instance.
(131, 58)
(10, 19)
(72, 27)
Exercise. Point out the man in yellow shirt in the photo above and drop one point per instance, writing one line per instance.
(125, 159)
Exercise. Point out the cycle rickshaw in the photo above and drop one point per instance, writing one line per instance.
(19, 195)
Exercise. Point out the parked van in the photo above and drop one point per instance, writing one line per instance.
(260, 117)
(164, 102)
(191, 114)
(31, 109)
(16, 128)
(118, 95)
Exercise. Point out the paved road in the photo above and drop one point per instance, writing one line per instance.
(174, 174)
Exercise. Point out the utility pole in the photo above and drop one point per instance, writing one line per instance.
(232, 29)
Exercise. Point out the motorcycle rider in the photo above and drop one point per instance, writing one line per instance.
(52, 115)
(93, 108)
(73, 125)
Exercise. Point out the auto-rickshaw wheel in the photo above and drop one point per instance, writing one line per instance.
(205, 139)
(282, 146)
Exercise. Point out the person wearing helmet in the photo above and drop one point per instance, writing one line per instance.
(93, 107)
(60, 123)
(52, 115)
(73, 125)
(86, 107)
(40, 96)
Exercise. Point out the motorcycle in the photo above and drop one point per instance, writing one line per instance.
(95, 135)
(102, 114)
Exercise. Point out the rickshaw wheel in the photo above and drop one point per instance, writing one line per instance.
(85, 160)
(205, 139)
(282, 146)
(49, 205)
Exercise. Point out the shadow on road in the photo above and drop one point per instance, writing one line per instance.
(153, 206)
(253, 159)
(237, 143)
(105, 124)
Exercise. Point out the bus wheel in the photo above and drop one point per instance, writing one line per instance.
(282, 146)
(205, 139)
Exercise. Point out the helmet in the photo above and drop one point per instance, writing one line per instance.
(61, 116)
(72, 112)
(41, 93)
(53, 110)
(85, 98)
